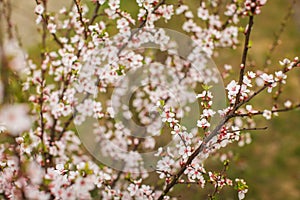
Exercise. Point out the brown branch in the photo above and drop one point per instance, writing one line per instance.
(261, 112)
(79, 10)
(57, 40)
(216, 190)
(244, 58)
(193, 156)
(248, 129)
(41, 99)
(95, 15)
(262, 88)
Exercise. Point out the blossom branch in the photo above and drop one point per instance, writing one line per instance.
(217, 129)
(142, 24)
(248, 129)
(244, 57)
(217, 186)
(285, 70)
(79, 11)
(262, 112)
(95, 14)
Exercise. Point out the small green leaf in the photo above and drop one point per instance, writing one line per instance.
(250, 44)
(162, 102)
(206, 87)
(241, 29)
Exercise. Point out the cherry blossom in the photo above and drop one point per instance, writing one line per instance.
(39, 9)
(73, 84)
(267, 114)
(288, 104)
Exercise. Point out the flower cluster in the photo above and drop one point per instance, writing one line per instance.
(96, 84)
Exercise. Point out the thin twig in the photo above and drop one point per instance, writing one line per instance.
(244, 57)
(273, 111)
(95, 15)
(79, 10)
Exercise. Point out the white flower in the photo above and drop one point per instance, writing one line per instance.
(203, 123)
(101, 2)
(227, 67)
(251, 74)
(111, 112)
(241, 195)
(208, 113)
(82, 187)
(176, 130)
(166, 11)
(267, 114)
(233, 89)
(189, 14)
(271, 87)
(142, 13)
(52, 28)
(284, 62)
(114, 4)
(132, 188)
(262, 2)
(122, 23)
(288, 104)
(164, 165)
(159, 151)
(280, 76)
(203, 13)
(185, 151)
(39, 9)
(181, 9)
(247, 81)
(267, 78)
(250, 109)
(231, 9)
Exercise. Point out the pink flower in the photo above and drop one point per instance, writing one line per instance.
(284, 62)
(185, 152)
(203, 123)
(114, 4)
(122, 23)
(51, 27)
(267, 114)
(267, 78)
(288, 104)
(280, 77)
(181, 9)
(203, 13)
(39, 9)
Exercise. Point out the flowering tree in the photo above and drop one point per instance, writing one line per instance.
(112, 97)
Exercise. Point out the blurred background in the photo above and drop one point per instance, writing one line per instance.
(271, 163)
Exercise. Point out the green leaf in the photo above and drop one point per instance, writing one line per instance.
(250, 44)
(206, 87)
